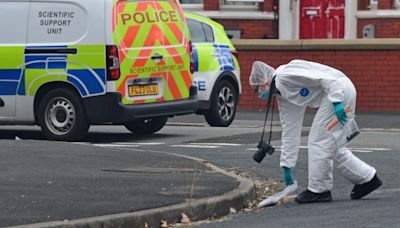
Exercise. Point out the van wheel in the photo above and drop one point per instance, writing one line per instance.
(61, 116)
(146, 126)
(223, 105)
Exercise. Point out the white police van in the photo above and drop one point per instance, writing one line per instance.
(67, 64)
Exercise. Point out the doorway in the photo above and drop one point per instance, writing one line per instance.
(322, 19)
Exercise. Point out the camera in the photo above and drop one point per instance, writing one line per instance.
(263, 149)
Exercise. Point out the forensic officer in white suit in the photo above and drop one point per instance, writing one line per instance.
(301, 84)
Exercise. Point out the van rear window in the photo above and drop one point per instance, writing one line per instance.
(139, 24)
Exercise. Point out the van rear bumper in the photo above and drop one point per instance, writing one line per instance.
(108, 108)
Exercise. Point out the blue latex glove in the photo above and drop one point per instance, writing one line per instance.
(340, 113)
(287, 176)
(264, 94)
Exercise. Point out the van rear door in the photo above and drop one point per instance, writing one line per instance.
(152, 38)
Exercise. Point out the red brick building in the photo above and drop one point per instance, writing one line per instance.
(331, 32)
(371, 64)
(303, 19)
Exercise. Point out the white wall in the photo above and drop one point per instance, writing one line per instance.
(350, 19)
(289, 19)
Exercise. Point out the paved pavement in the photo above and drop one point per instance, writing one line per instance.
(70, 182)
(74, 185)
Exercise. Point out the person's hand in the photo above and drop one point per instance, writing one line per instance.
(264, 95)
(340, 113)
(287, 176)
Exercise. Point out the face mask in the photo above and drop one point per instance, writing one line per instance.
(264, 94)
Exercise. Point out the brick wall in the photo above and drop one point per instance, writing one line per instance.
(251, 29)
(363, 4)
(268, 5)
(385, 4)
(384, 28)
(259, 29)
(375, 74)
(211, 5)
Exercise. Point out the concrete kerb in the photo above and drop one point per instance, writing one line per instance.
(197, 209)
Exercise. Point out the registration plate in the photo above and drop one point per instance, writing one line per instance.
(142, 90)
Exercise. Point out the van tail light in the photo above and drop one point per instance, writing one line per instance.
(113, 64)
(235, 53)
(190, 46)
(191, 57)
(191, 65)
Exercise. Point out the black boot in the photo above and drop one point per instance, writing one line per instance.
(361, 190)
(310, 197)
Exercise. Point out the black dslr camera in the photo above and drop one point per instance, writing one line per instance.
(263, 149)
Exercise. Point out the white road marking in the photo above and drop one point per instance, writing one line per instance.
(140, 144)
(115, 145)
(385, 130)
(390, 190)
(359, 150)
(196, 146)
(362, 151)
(367, 148)
(217, 144)
(121, 144)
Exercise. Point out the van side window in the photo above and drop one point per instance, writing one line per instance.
(14, 20)
(56, 23)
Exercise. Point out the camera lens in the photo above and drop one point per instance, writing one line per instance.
(263, 149)
(259, 155)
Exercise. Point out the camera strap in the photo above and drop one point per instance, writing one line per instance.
(270, 102)
(265, 122)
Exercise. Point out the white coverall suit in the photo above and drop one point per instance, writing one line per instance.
(307, 84)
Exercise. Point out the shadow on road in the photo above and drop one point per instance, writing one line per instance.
(91, 137)
(21, 134)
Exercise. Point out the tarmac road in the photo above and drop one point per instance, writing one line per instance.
(232, 148)
(378, 145)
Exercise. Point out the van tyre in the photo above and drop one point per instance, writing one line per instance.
(223, 103)
(61, 116)
(146, 126)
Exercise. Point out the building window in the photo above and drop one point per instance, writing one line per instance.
(191, 1)
(192, 5)
(233, 33)
(241, 2)
(373, 4)
(397, 4)
(239, 5)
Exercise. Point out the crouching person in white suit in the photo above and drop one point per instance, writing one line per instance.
(301, 84)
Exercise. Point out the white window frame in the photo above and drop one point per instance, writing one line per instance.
(373, 4)
(244, 0)
(234, 11)
(193, 7)
(224, 5)
(396, 4)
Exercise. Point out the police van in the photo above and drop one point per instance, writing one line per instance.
(216, 70)
(68, 64)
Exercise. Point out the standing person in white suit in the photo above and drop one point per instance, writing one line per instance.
(301, 84)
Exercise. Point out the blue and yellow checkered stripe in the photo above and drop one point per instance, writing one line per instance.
(84, 70)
